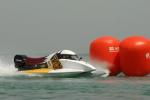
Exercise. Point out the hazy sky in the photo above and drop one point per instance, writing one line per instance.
(49, 25)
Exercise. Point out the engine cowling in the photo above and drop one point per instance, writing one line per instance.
(20, 60)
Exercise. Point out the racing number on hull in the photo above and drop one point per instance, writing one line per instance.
(56, 63)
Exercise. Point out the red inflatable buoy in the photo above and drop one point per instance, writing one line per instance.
(135, 56)
(106, 49)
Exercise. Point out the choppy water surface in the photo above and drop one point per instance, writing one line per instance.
(40, 88)
(22, 87)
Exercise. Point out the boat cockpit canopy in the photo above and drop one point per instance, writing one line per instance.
(67, 56)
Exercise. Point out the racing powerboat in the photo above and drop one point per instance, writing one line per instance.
(61, 63)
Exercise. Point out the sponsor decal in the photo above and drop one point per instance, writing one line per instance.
(113, 49)
(147, 55)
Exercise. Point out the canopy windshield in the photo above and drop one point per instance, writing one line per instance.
(65, 56)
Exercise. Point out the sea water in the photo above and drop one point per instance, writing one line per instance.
(16, 86)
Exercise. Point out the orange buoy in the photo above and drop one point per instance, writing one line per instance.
(106, 49)
(135, 56)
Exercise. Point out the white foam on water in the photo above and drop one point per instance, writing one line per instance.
(101, 68)
(7, 69)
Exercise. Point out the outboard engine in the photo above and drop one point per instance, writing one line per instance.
(23, 62)
(20, 60)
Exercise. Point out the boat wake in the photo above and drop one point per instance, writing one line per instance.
(7, 69)
(101, 69)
